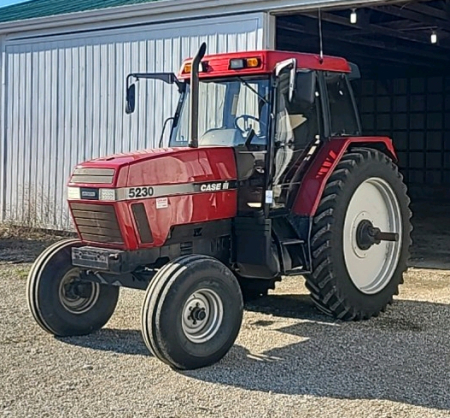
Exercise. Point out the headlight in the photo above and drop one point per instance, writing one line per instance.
(107, 194)
(73, 193)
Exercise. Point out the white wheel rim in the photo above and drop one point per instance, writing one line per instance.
(202, 316)
(371, 270)
(73, 303)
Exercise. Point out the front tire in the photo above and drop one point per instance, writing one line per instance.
(192, 312)
(350, 281)
(59, 302)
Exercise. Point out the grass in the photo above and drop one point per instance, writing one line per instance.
(22, 273)
(12, 231)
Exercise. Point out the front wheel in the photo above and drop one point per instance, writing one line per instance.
(192, 312)
(59, 301)
(360, 237)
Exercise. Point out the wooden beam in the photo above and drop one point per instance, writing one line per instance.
(377, 30)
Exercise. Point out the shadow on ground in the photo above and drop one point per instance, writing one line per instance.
(122, 341)
(402, 356)
(431, 235)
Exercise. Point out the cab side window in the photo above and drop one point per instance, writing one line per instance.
(344, 121)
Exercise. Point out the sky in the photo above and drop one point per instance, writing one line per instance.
(8, 2)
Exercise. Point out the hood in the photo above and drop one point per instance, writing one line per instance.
(124, 159)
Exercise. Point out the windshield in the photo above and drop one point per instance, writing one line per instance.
(230, 112)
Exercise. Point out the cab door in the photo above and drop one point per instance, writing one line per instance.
(298, 125)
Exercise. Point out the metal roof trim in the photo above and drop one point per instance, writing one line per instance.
(173, 9)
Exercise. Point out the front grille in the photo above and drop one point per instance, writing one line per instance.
(93, 175)
(97, 223)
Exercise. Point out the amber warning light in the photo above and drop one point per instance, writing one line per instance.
(240, 63)
(187, 67)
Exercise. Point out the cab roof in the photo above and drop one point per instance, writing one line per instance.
(217, 65)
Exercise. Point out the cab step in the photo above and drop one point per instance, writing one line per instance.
(291, 241)
(297, 271)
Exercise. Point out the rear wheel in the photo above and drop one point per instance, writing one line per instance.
(192, 312)
(59, 301)
(360, 237)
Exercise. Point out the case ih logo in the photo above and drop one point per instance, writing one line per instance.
(214, 187)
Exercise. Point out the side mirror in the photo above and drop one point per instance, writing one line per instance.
(355, 74)
(291, 66)
(306, 87)
(131, 99)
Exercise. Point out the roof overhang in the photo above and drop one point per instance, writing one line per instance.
(168, 10)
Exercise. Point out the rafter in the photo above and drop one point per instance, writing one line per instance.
(376, 29)
(427, 10)
(414, 16)
(353, 52)
(412, 52)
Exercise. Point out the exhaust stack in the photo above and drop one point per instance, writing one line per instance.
(193, 128)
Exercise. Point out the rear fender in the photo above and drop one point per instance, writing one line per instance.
(323, 164)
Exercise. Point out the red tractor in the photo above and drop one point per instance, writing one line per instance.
(266, 175)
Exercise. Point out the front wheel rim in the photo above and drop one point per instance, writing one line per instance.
(202, 316)
(73, 302)
(372, 269)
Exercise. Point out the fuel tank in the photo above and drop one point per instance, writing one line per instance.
(131, 201)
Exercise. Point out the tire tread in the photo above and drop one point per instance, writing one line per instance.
(323, 283)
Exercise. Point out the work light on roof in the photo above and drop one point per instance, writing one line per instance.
(241, 63)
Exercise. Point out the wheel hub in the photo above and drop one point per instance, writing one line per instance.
(197, 311)
(202, 315)
(77, 297)
(76, 289)
(368, 235)
(198, 314)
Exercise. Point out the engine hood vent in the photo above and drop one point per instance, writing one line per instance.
(93, 175)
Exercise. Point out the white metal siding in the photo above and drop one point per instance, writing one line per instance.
(64, 101)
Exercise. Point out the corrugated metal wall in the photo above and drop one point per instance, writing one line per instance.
(64, 102)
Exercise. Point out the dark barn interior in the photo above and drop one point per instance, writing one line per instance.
(403, 52)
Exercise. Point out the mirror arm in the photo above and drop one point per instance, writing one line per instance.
(163, 129)
(169, 78)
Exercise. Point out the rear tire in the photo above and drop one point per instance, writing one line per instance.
(348, 282)
(54, 298)
(192, 312)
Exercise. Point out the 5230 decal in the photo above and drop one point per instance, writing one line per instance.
(134, 192)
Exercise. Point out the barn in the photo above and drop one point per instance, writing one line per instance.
(63, 67)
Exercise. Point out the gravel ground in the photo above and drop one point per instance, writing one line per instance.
(289, 360)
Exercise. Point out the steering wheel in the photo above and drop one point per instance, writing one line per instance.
(246, 119)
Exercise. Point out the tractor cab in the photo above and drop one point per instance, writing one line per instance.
(273, 108)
